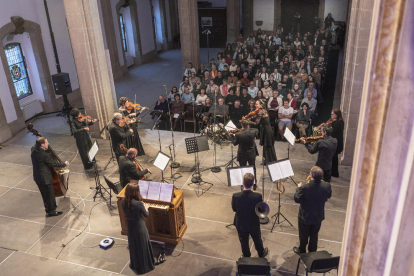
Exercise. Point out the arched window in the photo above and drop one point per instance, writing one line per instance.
(18, 70)
(123, 32)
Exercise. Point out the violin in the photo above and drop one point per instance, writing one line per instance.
(130, 106)
(252, 114)
(82, 118)
(126, 121)
(310, 139)
(330, 122)
(137, 164)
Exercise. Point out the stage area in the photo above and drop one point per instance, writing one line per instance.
(32, 244)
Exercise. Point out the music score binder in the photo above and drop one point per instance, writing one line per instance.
(156, 190)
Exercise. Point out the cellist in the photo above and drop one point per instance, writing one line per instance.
(129, 169)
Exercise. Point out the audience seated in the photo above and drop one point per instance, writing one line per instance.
(160, 108)
(292, 101)
(312, 102)
(231, 98)
(177, 109)
(187, 97)
(236, 113)
(244, 98)
(224, 88)
(285, 114)
(303, 119)
(184, 84)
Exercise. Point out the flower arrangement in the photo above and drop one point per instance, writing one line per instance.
(216, 132)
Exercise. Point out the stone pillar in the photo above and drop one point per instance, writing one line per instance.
(163, 17)
(88, 50)
(189, 34)
(233, 20)
(109, 27)
(5, 133)
(321, 13)
(378, 236)
(247, 14)
(277, 14)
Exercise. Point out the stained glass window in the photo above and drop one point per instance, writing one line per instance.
(18, 70)
(123, 32)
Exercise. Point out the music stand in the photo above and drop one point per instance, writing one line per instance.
(161, 162)
(99, 189)
(229, 127)
(290, 137)
(196, 145)
(279, 170)
(112, 158)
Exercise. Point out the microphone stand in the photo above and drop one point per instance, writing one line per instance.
(174, 164)
(159, 141)
(215, 168)
(112, 158)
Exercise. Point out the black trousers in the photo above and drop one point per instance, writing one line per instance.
(334, 169)
(327, 176)
(308, 232)
(48, 196)
(244, 241)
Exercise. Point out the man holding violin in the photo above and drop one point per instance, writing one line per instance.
(129, 169)
(42, 160)
(80, 126)
(118, 134)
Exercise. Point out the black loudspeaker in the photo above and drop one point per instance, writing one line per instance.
(253, 266)
(61, 84)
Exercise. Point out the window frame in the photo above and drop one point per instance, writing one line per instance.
(123, 32)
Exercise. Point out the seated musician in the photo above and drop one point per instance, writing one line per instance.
(177, 109)
(118, 134)
(42, 175)
(128, 169)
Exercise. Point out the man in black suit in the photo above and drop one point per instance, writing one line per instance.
(312, 198)
(118, 135)
(127, 169)
(326, 148)
(246, 221)
(41, 160)
(247, 151)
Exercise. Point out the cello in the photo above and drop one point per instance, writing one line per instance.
(60, 176)
(139, 168)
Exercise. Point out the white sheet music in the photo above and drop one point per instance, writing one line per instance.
(161, 161)
(154, 190)
(166, 192)
(176, 115)
(230, 126)
(280, 170)
(286, 168)
(236, 178)
(290, 137)
(143, 188)
(93, 151)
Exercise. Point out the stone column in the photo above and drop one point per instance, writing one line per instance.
(189, 34)
(233, 20)
(278, 14)
(88, 50)
(247, 14)
(321, 13)
(109, 27)
(378, 229)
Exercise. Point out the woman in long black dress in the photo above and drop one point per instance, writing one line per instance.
(132, 141)
(140, 249)
(267, 139)
(81, 134)
(338, 133)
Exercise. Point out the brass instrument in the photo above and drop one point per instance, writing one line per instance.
(279, 183)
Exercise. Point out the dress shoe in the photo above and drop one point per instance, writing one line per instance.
(265, 252)
(54, 214)
(296, 250)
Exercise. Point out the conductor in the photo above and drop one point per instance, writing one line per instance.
(312, 197)
(246, 221)
(128, 171)
(118, 135)
(247, 151)
(41, 160)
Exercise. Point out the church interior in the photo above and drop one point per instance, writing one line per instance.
(60, 55)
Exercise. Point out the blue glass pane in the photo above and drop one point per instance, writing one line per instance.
(22, 88)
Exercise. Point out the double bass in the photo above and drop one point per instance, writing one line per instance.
(60, 175)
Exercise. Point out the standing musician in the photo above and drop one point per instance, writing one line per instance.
(128, 110)
(80, 129)
(42, 160)
(118, 134)
(326, 148)
(246, 221)
(247, 151)
(128, 169)
(312, 197)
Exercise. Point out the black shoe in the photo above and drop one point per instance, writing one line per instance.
(54, 214)
(296, 250)
(265, 252)
(254, 187)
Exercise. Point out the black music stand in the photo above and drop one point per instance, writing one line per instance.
(290, 137)
(196, 145)
(99, 189)
(161, 162)
(113, 158)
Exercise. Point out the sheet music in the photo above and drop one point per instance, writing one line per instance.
(247, 170)
(286, 168)
(275, 172)
(154, 190)
(230, 126)
(236, 178)
(93, 151)
(143, 188)
(176, 115)
(161, 161)
(290, 137)
(166, 192)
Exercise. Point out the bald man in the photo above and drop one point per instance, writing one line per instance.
(128, 170)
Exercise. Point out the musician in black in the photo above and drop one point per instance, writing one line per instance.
(81, 133)
(247, 151)
(246, 221)
(41, 160)
(118, 135)
(326, 148)
(128, 169)
(312, 197)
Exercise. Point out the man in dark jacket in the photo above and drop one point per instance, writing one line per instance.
(41, 160)
(312, 198)
(118, 135)
(326, 148)
(128, 170)
(246, 221)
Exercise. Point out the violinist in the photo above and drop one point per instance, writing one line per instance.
(128, 169)
(128, 110)
(118, 134)
(80, 126)
(337, 133)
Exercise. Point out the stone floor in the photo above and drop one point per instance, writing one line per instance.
(32, 244)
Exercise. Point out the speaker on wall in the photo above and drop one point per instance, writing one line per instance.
(253, 266)
(61, 84)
